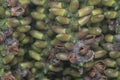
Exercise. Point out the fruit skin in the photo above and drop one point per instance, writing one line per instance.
(84, 20)
(74, 5)
(108, 3)
(100, 54)
(34, 55)
(63, 37)
(94, 2)
(85, 11)
(109, 38)
(110, 14)
(111, 73)
(110, 62)
(36, 34)
(63, 20)
(58, 11)
(97, 18)
(7, 59)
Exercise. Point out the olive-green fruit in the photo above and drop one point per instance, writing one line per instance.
(40, 44)
(25, 21)
(109, 3)
(97, 18)
(74, 5)
(69, 45)
(55, 69)
(34, 55)
(55, 4)
(84, 20)
(95, 30)
(24, 28)
(35, 48)
(111, 73)
(41, 25)
(40, 9)
(85, 11)
(97, 11)
(100, 54)
(38, 2)
(110, 14)
(36, 34)
(39, 65)
(58, 29)
(118, 61)
(114, 54)
(8, 58)
(12, 22)
(58, 11)
(110, 63)
(63, 20)
(38, 16)
(24, 2)
(109, 38)
(63, 37)
(62, 56)
(94, 2)
(26, 40)
(26, 65)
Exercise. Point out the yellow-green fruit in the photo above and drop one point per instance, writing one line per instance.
(97, 18)
(38, 16)
(26, 65)
(24, 2)
(94, 2)
(84, 20)
(97, 11)
(25, 21)
(110, 14)
(12, 22)
(110, 63)
(40, 44)
(109, 38)
(64, 37)
(55, 4)
(69, 45)
(24, 28)
(34, 55)
(63, 20)
(41, 25)
(85, 11)
(40, 9)
(36, 48)
(8, 58)
(62, 56)
(36, 34)
(38, 2)
(39, 65)
(58, 29)
(100, 54)
(54, 42)
(114, 54)
(95, 30)
(55, 69)
(58, 11)
(26, 40)
(74, 5)
(109, 3)
(111, 73)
